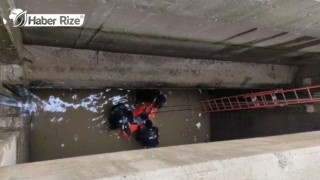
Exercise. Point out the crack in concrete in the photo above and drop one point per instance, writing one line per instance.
(100, 27)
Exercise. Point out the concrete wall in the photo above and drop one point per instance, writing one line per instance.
(262, 122)
(279, 157)
(308, 71)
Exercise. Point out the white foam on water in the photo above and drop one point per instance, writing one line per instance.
(55, 104)
(118, 99)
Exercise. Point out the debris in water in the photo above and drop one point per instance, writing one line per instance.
(76, 138)
(198, 125)
(74, 97)
(200, 91)
(97, 118)
(54, 119)
(62, 145)
(199, 114)
(60, 119)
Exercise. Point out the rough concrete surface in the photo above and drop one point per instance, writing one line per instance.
(8, 147)
(12, 122)
(274, 32)
(10, 33)
(15, 130)
(279, 157)
(11, 74)
(63, 67)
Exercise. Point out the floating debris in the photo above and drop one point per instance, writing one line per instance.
(76, 138)
(74, 97)
(54, 119)
(60, 119)
(198, 125)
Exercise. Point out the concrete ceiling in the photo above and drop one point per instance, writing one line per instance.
(263, 31)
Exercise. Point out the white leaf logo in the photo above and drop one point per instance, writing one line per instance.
(18, 17)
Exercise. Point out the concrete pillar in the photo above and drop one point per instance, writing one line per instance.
(8, 147)
(14, 140)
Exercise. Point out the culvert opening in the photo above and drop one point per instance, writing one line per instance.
(75, 122)
(69, 123)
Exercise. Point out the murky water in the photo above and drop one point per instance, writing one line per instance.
(69, 123)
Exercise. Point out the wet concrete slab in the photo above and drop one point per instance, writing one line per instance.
(68, 123)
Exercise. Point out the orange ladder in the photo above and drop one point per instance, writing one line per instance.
(273, 98)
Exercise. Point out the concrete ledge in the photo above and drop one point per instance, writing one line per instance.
(293, 156)
(12, 122)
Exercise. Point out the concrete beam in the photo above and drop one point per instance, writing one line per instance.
(293, 156)
(63, 67)
(173, 46)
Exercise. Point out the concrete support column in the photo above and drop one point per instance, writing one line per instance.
(8, 147)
